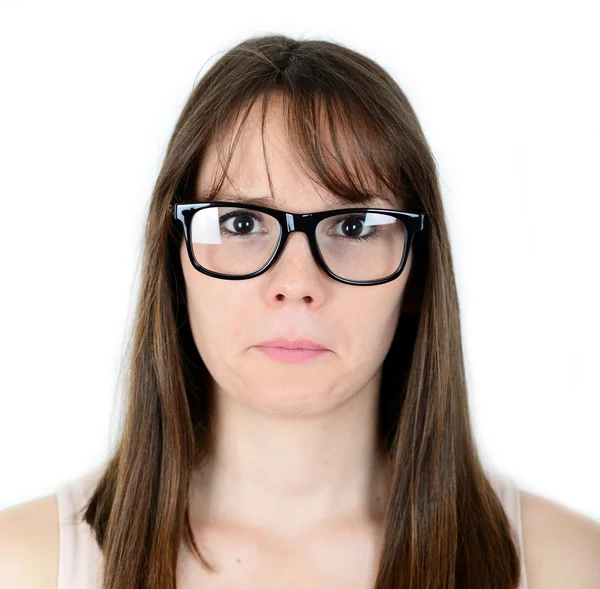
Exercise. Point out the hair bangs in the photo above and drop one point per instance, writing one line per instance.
(339, 145)
(341, 149)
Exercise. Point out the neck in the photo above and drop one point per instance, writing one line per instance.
(289, 474)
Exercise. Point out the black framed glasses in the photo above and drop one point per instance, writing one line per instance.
(237, 241)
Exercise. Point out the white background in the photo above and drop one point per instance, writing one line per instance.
(508, 97)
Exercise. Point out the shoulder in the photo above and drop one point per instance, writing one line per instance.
(29, 544)
(561, 546)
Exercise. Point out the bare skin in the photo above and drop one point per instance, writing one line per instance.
(561, 551)
(296, 443)
(293, 496)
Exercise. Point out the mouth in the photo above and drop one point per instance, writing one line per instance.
(298, 344)
(291, 354)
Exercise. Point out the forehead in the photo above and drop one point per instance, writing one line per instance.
(267, 169)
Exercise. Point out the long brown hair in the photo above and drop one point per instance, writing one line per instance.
(444, 525)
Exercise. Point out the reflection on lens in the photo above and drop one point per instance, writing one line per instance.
(362, 246)
(233, 240)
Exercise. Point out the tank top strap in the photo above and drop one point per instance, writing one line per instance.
(80, 557)
(509, 495)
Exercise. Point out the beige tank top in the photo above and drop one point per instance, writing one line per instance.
(80, 558)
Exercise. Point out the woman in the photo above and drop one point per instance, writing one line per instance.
(297, 410)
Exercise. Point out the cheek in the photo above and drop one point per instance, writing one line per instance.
(217, 310)
(378, 324)
(202, 310)
(375, 325)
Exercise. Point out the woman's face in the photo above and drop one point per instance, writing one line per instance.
(294, 299)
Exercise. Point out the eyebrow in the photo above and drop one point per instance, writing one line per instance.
(265, 201)
(268, 201)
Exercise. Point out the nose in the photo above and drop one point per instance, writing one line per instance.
(296, 274)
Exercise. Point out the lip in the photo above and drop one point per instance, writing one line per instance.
(298, 344)
(292, 355)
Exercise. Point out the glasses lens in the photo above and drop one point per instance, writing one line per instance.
(233, 240)
(362, 246)
(355, 246)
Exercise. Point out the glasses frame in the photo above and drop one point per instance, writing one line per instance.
(290, 222)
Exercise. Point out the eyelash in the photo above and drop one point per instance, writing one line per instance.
(232, 215)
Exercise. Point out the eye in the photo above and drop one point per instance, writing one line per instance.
(242, 223)
(352, 227)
